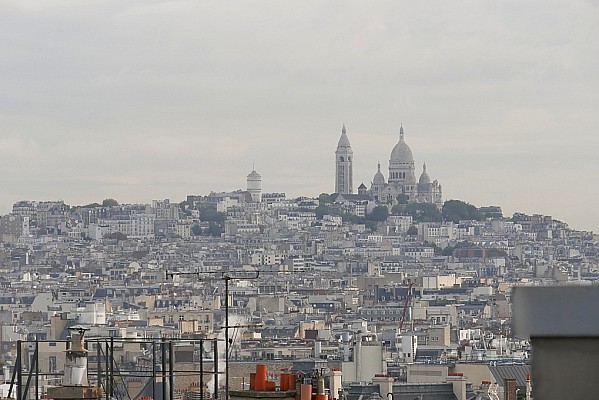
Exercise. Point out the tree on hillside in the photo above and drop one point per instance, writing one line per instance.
(372, 225)
(109, 203)
(324, 198)
(214, 230)
(420, 212)
(196, 230)
(118, 236)
(92, 205)
(379, 213)
(457, 210)
(412, 231)
(208, 213)
(402, 199)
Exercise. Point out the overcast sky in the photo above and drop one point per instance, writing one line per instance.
(142, 100)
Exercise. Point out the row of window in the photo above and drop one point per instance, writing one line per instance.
(397, 175)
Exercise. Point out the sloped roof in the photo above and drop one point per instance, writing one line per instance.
(517, 372)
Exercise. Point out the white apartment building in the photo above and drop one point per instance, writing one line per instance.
(266, 258)
(397, 224)
(437, 233)
(137, 226)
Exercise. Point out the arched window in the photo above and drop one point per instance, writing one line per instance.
(341, 159)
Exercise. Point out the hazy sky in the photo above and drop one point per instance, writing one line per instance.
(141, 100)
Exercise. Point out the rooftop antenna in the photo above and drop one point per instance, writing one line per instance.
(226, 277)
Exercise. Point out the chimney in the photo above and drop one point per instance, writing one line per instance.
(509, 389)
(336, 386)
(385, 384)
(458, 382)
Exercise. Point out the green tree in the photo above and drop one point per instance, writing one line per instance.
(196, 230)
(323, 210)
(92, 205)
(448, 251)
(118, 236)
(333, 197)
(398, 209)
(379, 213)
(372, 225)
(214, 229)
(412, 231)
(208, 213)
(324, 198)
(457, 210)
(109, 203)
(402, 198)
(420, 212)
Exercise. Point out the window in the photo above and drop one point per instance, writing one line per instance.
(52, 363)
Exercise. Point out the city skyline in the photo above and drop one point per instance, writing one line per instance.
(148, 100)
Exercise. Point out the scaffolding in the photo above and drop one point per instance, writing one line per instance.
(157, 375)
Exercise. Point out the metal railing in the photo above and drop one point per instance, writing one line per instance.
(158, 374)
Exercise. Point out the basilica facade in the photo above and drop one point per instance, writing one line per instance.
(401, 183)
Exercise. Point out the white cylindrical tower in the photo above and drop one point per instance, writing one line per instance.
(255, 186)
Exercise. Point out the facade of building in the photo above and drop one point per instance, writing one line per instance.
(401, 183)
(401, 180)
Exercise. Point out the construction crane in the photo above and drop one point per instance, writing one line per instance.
(405, 305)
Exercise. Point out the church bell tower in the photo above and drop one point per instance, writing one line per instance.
(344, 158)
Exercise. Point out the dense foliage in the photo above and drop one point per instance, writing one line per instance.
(457, 210)
(109, 203)
(420, 212)
(208, 213)
(379, 213)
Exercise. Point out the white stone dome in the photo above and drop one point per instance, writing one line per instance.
(424, 178)
(401, 153)
(378, 179)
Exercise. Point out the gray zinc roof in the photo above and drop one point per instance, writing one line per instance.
(517, 372)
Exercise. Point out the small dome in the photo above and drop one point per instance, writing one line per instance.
(343, 140)
(254, 176)
(401, 153)
(424, 178)
(378, 179)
